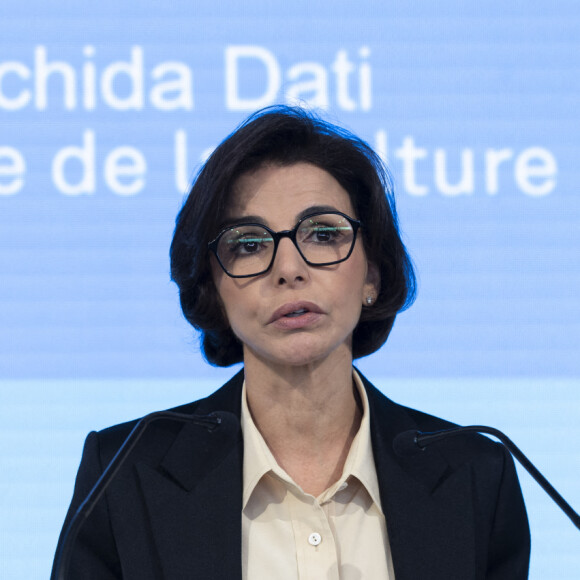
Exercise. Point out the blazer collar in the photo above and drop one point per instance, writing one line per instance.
(194, 498)
(216, 445)
(426, 502)
(197, 501)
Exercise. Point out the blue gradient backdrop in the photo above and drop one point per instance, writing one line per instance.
(105, 114)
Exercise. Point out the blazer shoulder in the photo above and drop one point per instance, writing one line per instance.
(391, 418)
(226, 399)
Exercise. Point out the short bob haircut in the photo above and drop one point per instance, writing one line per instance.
(285, 136)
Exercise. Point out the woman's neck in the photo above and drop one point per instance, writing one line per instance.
(308, 416)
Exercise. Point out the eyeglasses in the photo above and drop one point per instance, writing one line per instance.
(322, 239)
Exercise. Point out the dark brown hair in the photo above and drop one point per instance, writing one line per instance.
(285, 136)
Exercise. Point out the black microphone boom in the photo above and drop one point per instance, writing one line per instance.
(64, 553)
(412, 442)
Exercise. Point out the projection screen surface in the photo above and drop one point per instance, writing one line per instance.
(107, 111)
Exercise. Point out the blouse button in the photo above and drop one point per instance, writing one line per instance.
(314, 539)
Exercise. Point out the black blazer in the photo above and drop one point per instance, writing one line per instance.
(454, 511)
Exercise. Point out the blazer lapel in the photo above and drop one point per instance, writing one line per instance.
(194, 498)
(431, 529)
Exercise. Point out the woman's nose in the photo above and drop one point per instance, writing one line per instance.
(289, 265)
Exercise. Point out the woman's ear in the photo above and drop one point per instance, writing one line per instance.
(372, 285)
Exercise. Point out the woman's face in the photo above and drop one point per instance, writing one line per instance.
(294, 314)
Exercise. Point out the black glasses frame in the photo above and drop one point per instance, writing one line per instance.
(291, 234)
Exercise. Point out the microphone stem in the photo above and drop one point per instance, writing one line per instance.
(86, 507)
(424, 439)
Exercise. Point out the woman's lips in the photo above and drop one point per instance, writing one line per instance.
(295, 315)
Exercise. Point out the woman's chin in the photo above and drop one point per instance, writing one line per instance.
(301, 353)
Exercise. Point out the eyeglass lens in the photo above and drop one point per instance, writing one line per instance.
(321, 239)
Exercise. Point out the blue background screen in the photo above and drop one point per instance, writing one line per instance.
(107, 111)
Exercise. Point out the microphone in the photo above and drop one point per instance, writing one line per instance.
(210, 422)
(411, 442)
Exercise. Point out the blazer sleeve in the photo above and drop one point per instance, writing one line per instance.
(509, 546)
(94, 555)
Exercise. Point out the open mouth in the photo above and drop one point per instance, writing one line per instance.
(296, 313)
(303, 311)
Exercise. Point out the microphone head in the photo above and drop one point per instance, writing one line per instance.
(405, 443)
(227, 421)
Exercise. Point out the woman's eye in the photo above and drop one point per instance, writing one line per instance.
(322, 234)
(248, 243)
(325, 234)
(246, 246)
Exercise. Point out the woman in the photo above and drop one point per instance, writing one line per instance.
(288, 258)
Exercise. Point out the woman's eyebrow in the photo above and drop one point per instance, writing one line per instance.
(256, 219)
(315, 209)
(244, 219)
